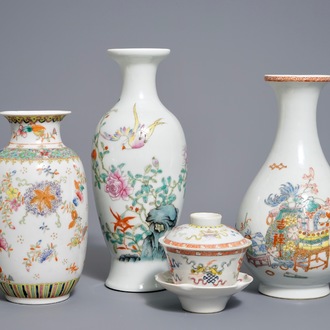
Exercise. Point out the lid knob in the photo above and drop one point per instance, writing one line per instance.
(205, 219)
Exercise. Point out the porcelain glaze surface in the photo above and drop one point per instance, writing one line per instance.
(286, 210)
(139, 172)
(198, 299)
(205, 252)
(43, 207)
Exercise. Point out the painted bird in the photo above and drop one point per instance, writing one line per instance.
(137, 136)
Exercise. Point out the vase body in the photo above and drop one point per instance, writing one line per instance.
(139, 173)
(286, 210)
(43, 207)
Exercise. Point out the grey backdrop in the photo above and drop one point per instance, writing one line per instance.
(53, 56)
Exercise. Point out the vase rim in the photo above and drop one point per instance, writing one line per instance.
(296, 78)
(26, 113)
(139, 51)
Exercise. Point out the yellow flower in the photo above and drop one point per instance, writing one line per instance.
(290, 246)
(290, 220)
(12, 193)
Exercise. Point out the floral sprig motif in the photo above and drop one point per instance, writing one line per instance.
(39, 254)
(11, 199)
(139, 190)
(47, 170)
(38, 130)
(5, 278)
(4, 246)
(73, 268)
(76, 223)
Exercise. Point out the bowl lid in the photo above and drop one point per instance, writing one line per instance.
(206, 232)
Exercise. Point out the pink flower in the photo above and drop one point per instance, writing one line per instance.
(79, 195)
(3, 243)
(117, 187)
(15, 204)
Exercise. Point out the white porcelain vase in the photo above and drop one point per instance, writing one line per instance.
(286, 210)
(43, 208)
(139, 172)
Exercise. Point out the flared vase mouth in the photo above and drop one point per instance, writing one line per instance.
(139, 52)
(34, 116)
(28, 113)
(296, 78)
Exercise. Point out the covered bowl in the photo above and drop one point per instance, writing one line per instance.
(205, 252)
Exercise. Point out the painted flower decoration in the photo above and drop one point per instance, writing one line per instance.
(3, 243)
(43, 198)
(121, 223)
(117, 186)
(12, 193)
(15, 204)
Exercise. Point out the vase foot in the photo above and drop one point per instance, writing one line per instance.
(294, 293)
(37, 301)
(135, 276)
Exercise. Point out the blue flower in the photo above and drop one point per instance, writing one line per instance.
(75, 201)
(45, 255)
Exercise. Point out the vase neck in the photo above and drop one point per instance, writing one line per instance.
(35, 129)
(297, 128)
(139, 69)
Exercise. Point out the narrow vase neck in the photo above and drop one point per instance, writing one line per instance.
(139, 82)
(35, 129)
(139, 69)
(297, 128)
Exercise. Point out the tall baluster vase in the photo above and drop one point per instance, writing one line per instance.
(139, 172)
(286, 210)
(43, 209)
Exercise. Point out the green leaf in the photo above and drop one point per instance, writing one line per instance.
(138, 237)
(130, 174)
(171, 199)
(145, 189)
(103, 177)
(147, 169)
(158, 190)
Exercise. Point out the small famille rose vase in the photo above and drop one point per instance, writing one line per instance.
(286, 210)
(43, 207)
(139, 171)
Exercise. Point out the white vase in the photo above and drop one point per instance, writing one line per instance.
(139, 172)
(286, 210)
(43, 207)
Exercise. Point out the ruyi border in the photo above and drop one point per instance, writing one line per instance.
(297, 78)
(36, 291)
(34, 118)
